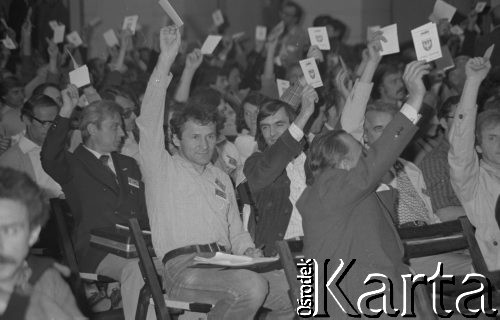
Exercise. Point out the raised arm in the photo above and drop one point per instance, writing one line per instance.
(366, 175)
(150, 122)
(353, 113)
(193, 62)
(464, 162)
(262, 168)
(54, 156)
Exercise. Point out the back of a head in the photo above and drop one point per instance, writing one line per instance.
(207, 97)
(41, 88)
(327, 150)
(19, 187)
(381, 106)
(96, 113)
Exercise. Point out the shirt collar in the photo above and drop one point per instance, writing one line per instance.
(188, 165)
(492, 171)
(26, 145)
(95, 153)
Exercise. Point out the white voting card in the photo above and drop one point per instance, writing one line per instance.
(59, 34)
(218, 18)
(210, 44)
(130, 22)
(171, 12)
(390, 33)
(426, 42)
(282, 86)
(110, 38)
(442, 10)
(8, 43)
(260, 33)
(311, 72)
(480, 6)
(74, 39)
(319, 37)
(80, 77)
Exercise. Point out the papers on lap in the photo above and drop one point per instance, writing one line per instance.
(230, 260)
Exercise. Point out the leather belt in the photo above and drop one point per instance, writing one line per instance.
(197, 248)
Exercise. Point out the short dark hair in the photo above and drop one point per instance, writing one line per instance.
(7, 84)
(382, 71)
(208, 75)
(485, 119)
(444, 109)
(253, 97)
(194, 112)
(268, 109)
(299, 12)
(207, 97)
(19, 187)
(41, 88)
(38, 101)
(111, 92)
(326, 151)
(326, 20)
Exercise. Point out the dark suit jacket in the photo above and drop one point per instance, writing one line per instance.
(484, 42)
(270, 187)
(343, 218)
(96, 198)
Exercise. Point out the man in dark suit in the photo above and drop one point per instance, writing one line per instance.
(493, 37)
(102, 187)
(276, 175)
(342, 216)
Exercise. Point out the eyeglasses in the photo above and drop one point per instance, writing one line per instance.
(45, 123)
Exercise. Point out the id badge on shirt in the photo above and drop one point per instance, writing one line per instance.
(133, 183)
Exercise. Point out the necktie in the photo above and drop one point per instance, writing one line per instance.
(105, 162)
(411, 207)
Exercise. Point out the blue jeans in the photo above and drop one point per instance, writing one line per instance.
(235, 293)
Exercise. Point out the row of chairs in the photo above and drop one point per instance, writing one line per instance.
(418, 242)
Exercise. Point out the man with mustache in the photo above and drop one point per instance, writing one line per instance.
(30, 287)
(388, 85)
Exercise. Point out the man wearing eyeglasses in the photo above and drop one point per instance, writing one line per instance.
(38, 114)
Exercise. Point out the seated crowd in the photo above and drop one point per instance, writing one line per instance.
(210, 154)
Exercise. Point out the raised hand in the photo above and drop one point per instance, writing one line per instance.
(412, 78)
(309, 98)
(170, 42)
(70, 100)
(343, 83)
(315, 53)
(125, 38)
(194, 60)
(477, 68)
(375, 46)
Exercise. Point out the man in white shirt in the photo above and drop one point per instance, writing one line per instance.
(192, 207)
(38, 114)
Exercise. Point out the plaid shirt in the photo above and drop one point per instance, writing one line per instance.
(436, 171)
(293, 95)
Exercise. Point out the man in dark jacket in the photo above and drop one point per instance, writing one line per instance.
(276, 175)
(102, 187)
